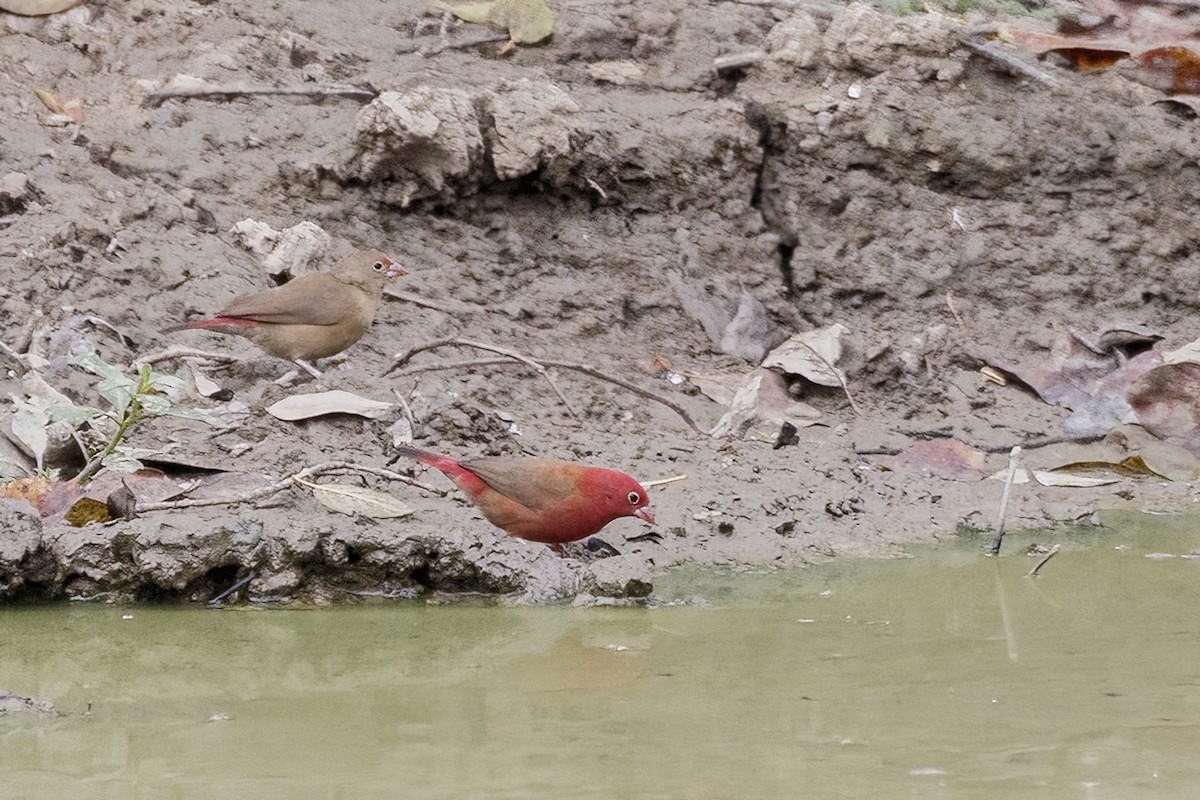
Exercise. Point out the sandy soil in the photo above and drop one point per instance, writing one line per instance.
(607, 198)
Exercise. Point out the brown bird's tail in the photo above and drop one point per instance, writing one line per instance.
(225, 324)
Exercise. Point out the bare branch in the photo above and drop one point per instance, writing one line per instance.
(362, 91)
(263, 492)
(539, 365)
(1008, 63)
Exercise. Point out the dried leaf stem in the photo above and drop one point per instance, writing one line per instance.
(1008, 63)
(1013, 458)
(186, 352)
(1033, 573)
(263, 492)
(539, 365)
(664, 481)
(837, 374)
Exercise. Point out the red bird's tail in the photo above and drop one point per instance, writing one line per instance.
(445, 463)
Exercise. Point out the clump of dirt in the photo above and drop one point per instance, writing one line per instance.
(612, 199)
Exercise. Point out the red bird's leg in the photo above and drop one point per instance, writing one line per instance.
(559, 549)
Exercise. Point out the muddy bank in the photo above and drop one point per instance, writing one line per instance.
(610, 199)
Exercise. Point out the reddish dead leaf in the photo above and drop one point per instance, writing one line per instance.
(1166, 401)
(1089, 58)
(28, 489)
(47, 497)
(1066, 376)
(1174, 69)
(944, 458)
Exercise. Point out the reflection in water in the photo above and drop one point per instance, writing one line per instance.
(863, 679)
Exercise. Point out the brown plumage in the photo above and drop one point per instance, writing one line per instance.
(315, 316)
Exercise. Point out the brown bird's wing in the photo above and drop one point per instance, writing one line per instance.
(533, 482)
(316, 298)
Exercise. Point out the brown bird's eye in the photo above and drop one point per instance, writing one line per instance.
(377, 266)
(634, 498)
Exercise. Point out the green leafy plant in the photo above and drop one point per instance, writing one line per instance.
(130, 400)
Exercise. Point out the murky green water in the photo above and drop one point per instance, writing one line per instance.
(943, 676)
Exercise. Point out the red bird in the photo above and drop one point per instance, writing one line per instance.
(543, 499)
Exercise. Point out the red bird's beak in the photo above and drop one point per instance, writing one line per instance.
(393, 270)
(645, 513)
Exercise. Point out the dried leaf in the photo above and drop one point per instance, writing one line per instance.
(1166, 401)
(122, 503)
(305, 406)
(944, 458)
(87, 510)
(352, 500)
(761, 406)
(50, 100)
(204, 385)
(28, 426)
(1068, 480)
(1174, 69)
(1131, 467)
(812, 354)
(30, 489)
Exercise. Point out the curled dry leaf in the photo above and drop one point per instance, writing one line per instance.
(1131, 467)
(306, 406)
(812, 355)
(760, 407)
(360, 500)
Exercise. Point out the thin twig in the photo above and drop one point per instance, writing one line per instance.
(174, 352)
(233, 588)
(664, 481)
(954, 309)
(362, 91)
(406, 408)
(263, 492)
(1008, 63)
(1034, 572)
(492, 362)
(491, 348)
(837, 374)
(632, 387)
(1013, 457)
(424, 302)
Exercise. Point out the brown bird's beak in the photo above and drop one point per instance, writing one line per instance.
(392, 269)
(645, 513)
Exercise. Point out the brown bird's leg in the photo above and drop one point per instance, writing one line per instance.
(309, 368)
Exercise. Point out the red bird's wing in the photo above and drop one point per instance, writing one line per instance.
(316, 298)
(536, 483)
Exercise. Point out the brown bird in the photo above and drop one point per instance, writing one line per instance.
(314, 316)
(543, 499)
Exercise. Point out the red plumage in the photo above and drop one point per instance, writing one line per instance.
(543, 499)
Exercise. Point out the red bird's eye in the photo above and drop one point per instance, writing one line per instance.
(377, 266)
(634, 498)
